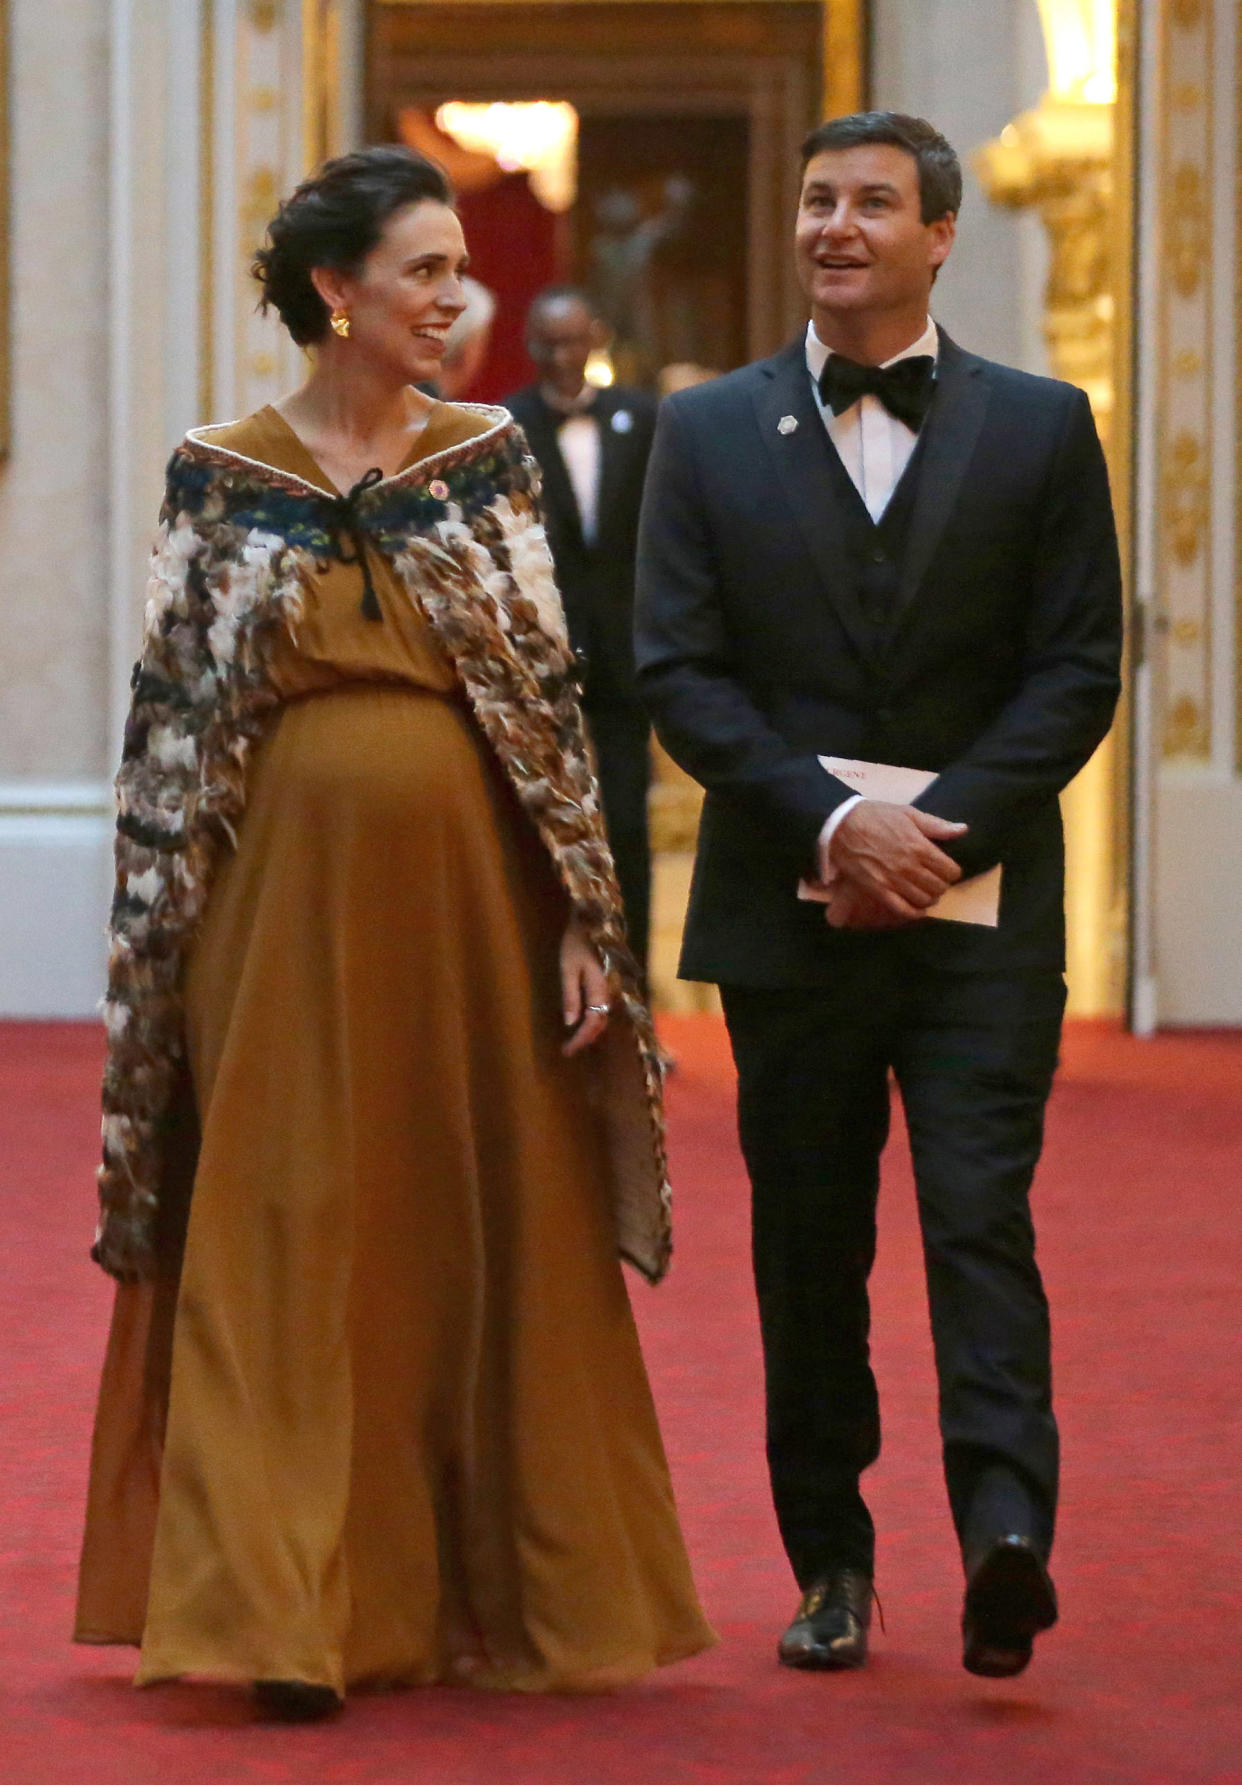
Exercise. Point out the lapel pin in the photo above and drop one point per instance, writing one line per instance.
(439, 489)
(787, 424)
(622, 421)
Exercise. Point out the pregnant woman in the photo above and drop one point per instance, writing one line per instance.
(381, 1105)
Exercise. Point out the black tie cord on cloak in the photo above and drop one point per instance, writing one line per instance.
(345, 530)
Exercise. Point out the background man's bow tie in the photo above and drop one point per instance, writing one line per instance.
(905, 389)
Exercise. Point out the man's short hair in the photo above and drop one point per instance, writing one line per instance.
(560, 294)
(940, 171)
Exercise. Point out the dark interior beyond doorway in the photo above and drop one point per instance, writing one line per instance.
(659, 238)
(690, 116)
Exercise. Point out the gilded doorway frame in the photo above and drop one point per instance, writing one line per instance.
(846, 53)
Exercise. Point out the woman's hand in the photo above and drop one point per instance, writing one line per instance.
(584, 989)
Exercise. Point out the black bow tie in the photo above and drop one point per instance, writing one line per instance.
(905, 389)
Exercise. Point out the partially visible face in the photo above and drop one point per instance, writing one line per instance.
(860, 241)
(561, 336)
(407, 293)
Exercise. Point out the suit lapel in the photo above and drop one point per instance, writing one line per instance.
(783, 396)
(951, 434)
(558, 489)
(611, 456)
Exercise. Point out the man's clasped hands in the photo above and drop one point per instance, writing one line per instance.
(883, 867)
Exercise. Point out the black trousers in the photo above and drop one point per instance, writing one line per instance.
(622, 738)
(973, 1056)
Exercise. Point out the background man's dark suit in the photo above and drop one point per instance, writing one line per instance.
(596, 579)
(976, 632)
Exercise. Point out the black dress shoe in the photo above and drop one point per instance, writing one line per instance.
(830, 1628)
(1010, 1598)
(293, 1701)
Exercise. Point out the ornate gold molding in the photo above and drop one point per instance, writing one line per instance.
(1185, 394)
(1187, 227)
(1071, 159)
(1058, 160)
(206, 212)
(1186, 494)
(845, 56)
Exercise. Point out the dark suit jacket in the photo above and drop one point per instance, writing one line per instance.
(1001, 670)
(596, 579)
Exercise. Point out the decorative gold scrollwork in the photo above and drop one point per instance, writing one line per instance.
(258, 205)
(1186, 730)
(1187, 13)
(1072, 188)
(264, 14)
(1187, 228)
(1187, 498)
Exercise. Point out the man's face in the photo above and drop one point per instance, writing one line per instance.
(560, 339)
(860, 242)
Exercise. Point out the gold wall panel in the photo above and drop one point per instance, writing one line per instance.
(846, 42)
(1185, 374)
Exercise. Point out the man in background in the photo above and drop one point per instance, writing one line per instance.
(592, 446)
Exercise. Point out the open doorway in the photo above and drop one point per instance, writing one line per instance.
(687, 119)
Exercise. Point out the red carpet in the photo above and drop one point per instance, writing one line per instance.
(1140, 1209)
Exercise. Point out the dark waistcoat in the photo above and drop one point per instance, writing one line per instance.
(876, 550)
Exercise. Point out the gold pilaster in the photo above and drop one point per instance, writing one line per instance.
(1185, 379)
(206, 212)
(845, 56)
(1070, 159)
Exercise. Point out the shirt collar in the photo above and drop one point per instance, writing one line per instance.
(565, 407)
(817, 354)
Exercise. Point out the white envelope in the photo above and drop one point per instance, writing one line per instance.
(976, 900)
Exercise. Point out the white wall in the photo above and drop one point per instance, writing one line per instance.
(53, 489)
(54, 628)
(970, 68)
(91, 206)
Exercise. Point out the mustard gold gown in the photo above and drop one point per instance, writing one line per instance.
(392, 1425)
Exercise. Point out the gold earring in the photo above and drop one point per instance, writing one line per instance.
(340, 324)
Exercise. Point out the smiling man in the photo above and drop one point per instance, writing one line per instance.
(880, 548)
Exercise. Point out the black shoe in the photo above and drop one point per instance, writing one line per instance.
(293, 1701)
(830, 1628)
(1009, 1600)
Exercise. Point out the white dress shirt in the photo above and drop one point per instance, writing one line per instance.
(875, 449)
(578, 439)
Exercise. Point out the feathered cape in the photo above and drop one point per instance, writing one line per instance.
(237, 543)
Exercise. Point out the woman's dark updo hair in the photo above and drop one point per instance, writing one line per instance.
(334, 219)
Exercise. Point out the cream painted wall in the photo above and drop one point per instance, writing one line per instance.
(108, 249)
(969, 69)
(53, 489)
(92, 202)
